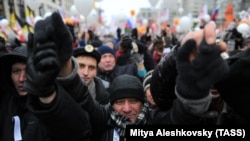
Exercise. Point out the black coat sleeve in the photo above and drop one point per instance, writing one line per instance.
(162, 85)
(64, 118)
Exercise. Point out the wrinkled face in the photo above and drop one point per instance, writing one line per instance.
(107, 62)
(18, 76)
(128, 107)
(87, 68)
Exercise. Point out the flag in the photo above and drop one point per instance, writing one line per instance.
(129, 23)
(29, 16)
(13, 21)
(215, 14)
(203, 12)
(3, 32)
(229, 15)
(19, 27)
(163, 14)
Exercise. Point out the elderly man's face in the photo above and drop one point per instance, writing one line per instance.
(128, 107)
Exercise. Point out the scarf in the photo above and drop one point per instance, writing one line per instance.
(91, 88)
(122, 121)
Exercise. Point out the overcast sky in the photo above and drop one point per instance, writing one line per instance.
(112, 7)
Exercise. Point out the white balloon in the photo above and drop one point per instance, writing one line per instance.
(153, 2)
(180, 10)
(81, 19)
(185, 24)
(243, 28)
(93, 17)
(33, 4)
(207, 18)
(73, 10)
(4, 22)
(84, 7)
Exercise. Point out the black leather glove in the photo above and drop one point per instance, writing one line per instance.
(42, 68)
(53, 29)
(235, 89)
(126, 41)
(196, 77)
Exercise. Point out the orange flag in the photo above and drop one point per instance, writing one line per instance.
(229, 14)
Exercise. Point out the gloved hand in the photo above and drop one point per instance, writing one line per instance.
(42, 68)
(134, 33)
(195, 77)
(126, 41)
(136, 58)
(53, 29)
(91, 35)
(118, 33)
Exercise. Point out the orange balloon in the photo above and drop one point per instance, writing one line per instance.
(142, 29)
(176, 21)
(68, 21)
(132, 12)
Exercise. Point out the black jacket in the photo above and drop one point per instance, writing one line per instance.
(31, 128)
(118, 70)
(102, 95)
(64, 118)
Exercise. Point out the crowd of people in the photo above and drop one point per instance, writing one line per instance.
(52, 89)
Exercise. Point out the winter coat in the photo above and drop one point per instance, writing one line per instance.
(118, 70)
(30, 127)
(64, 118)
(102, 95)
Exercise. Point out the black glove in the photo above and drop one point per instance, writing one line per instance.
(134, 33)
(118, 33)
(235, 89)
(196, 77)
(42, 68)
(126, 42)
(91, 35)
(53, 29)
